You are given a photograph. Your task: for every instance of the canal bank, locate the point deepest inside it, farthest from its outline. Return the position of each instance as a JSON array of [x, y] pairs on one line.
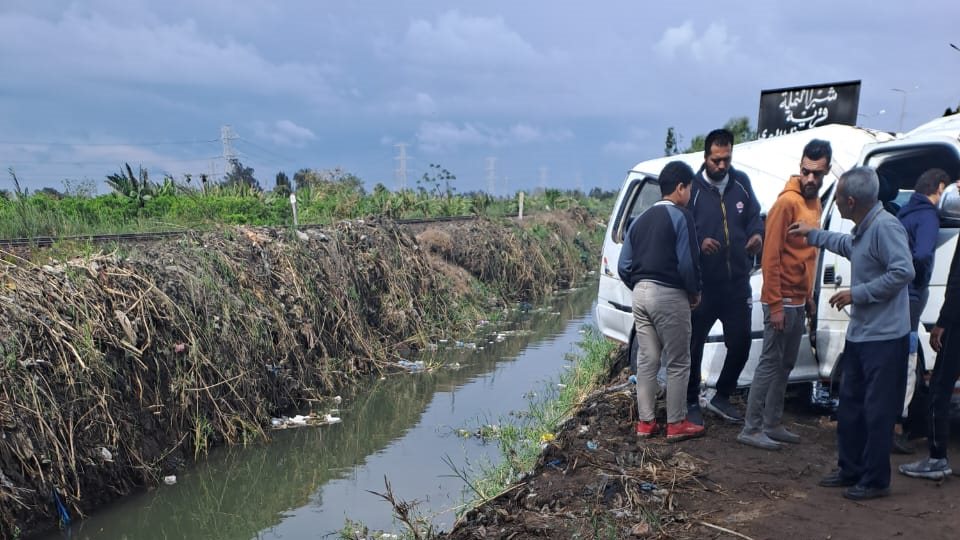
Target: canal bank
[[307, 482], [124, 365]]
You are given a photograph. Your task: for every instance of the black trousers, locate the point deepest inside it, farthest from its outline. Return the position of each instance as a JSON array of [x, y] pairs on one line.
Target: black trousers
[[874, 379], [944, 377], [732, 305]]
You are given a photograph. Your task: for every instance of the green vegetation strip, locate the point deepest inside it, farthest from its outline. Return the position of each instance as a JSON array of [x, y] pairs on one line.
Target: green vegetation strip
[[522, 442]]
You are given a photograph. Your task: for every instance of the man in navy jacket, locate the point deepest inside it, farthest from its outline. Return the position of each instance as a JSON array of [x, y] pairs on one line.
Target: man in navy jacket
[[922, 222], [730, 232], [945, 340]]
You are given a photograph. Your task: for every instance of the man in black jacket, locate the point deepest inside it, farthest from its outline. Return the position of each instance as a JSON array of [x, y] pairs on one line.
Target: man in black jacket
[[730, 232], [945, 341]]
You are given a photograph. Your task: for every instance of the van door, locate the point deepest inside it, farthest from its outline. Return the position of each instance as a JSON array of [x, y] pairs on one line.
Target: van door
[[614, 300], [833, 277], [898, 164]]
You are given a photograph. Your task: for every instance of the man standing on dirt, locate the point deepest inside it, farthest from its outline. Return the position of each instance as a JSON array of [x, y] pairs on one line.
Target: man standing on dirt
[[730, 233], [659, 262], [878, 338], [945, 340], [922, 222], [789, 264]]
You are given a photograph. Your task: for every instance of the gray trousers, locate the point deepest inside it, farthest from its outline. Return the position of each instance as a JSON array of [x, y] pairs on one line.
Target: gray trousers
[[662, 319], [779, 355]]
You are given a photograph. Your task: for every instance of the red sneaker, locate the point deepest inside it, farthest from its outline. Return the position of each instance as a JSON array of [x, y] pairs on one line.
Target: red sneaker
[[645, 430], [683, 430]]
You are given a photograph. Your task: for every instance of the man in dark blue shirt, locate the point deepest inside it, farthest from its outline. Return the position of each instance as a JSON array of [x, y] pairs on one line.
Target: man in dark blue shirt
[[730, 233], [660, 263]]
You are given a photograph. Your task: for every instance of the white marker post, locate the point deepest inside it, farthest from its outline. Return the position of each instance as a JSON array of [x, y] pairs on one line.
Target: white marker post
[[520, 195], [293, 204]]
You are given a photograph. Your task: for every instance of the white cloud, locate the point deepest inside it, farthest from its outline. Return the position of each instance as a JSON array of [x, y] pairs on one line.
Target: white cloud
[[714, 44], [284, 133], [673, 39], [179, 54], [632, 146], [464, 40], [438, 136]]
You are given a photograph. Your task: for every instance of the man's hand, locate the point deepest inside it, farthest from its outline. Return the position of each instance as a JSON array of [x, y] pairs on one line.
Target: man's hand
[[936, 338], [777, 320], [811, 307], [754, 244], [799, 229], [842, 299], [709, 246], [694, 300]]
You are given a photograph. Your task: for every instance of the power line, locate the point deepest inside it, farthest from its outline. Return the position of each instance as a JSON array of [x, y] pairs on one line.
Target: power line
[[261, 148], [159, 143], [491, 176], [401, 170], [110, 162]]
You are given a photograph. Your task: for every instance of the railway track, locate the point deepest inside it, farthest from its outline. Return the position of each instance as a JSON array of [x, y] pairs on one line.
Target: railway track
[[45, 241]]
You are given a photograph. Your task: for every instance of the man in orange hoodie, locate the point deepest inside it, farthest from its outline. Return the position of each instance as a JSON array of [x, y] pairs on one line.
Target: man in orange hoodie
[[788, 265]]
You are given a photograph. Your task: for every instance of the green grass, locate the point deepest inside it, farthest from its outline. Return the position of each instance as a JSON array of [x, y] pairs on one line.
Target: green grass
[[520, 442], [44, 214]]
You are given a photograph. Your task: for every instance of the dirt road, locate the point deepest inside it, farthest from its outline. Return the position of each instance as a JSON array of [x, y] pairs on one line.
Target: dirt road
[[707, 488]]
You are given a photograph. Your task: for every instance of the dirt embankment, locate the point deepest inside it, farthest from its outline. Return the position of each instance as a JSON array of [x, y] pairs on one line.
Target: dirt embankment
[[597, 481], [118, 366]]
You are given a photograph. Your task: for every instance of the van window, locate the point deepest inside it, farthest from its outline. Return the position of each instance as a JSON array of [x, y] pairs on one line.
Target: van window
[[899, 169], [641, 194]]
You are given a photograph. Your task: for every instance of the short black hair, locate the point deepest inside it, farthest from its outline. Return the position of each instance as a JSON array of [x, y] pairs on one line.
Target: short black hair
[[929, 182], [717, 137], [818, 149], [674, 174]]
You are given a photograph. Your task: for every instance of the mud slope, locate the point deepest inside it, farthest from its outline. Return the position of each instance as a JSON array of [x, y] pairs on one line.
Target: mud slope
[[705, 488]]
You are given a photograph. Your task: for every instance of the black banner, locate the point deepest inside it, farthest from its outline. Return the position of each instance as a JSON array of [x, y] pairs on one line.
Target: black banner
[[786, 110]]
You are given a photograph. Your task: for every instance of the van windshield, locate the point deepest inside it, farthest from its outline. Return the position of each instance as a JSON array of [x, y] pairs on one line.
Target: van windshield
[[899, 169]]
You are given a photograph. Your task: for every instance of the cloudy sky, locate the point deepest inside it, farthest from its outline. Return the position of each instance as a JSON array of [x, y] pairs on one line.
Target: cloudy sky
[[568, 94]]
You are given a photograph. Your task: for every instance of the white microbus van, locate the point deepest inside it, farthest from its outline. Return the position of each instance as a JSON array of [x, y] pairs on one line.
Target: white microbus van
[[898, 163], [769, 163]]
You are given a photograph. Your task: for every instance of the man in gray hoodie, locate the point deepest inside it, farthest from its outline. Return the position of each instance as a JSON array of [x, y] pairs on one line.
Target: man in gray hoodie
[[874, 365]]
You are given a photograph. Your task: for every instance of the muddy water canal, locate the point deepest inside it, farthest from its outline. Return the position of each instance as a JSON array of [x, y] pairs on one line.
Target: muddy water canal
[[306, 482]]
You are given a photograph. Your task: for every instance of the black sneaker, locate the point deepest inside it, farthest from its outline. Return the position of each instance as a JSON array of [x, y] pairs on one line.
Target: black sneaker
[[902, 445], [694, 415], [722, 407], [863, 493]]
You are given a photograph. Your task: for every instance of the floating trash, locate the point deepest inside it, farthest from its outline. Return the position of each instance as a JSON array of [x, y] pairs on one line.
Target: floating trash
[[419, 365], [547, 437], [170, 480], [106, 455], [301, 420], [592, 445]]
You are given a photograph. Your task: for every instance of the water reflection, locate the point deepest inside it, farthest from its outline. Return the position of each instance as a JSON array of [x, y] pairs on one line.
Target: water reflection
[[305, 482]]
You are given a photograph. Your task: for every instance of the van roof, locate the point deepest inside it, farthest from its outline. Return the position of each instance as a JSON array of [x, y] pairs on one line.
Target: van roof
[[948, 126], [943, 130], [769, 162]]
